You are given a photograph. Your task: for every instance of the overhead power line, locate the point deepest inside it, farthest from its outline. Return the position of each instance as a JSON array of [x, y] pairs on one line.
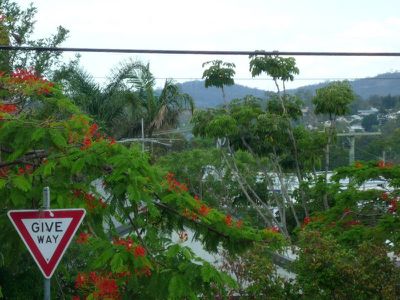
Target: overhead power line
[[270, 79], [195, 52]]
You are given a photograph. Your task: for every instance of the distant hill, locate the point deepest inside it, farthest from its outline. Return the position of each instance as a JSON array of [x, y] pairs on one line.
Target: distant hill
[[212, 97], [381, 85]]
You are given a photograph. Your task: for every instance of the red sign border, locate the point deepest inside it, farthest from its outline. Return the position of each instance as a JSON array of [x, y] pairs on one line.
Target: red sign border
[[47, 268]]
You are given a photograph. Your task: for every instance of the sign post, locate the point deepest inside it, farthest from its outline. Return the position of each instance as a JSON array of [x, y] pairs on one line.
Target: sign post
[[47, 234], [46, 205]]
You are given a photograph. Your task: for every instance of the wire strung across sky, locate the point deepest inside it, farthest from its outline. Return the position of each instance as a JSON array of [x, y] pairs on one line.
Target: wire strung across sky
[[196, 52], [270, 79]]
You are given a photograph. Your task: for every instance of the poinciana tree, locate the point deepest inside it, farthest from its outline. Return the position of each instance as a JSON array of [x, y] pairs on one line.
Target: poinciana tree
[[51, 143]]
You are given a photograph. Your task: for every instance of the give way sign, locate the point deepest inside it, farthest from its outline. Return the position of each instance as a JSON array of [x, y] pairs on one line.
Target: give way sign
[[47, 233]]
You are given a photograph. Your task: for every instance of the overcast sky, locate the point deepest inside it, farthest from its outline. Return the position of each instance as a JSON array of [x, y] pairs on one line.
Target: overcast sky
[[284, 25]]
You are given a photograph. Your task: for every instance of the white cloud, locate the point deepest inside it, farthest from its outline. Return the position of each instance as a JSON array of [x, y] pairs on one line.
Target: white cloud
[[287, 25]]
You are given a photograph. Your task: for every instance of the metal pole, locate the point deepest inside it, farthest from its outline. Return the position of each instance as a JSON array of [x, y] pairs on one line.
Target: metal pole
[[142, 135], [352, 149], [46, 205]]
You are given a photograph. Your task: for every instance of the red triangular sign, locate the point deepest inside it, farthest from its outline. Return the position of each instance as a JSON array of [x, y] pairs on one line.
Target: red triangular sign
[[47, 233]]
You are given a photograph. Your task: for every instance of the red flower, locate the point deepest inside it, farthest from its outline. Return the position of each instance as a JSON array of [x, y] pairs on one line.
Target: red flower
[[93, 129], [93, 277], [102, 203], [196, 198], [228, 220], [306, 220], [83, 238], [139, 251], [194, 216], [112, 141], [21, 171], [8, 108], [127, 243], [80, 280], [174, 185], [393, 206], [76, 298], [274, 229], [358, 165], [77, 193], [145, 271], [28, 169], [385, 196], [4, 171], [382, 164], [353, 223], [107, 288], [239, 224], [347, 211], [204, 210], [87, 142], [186, 213]]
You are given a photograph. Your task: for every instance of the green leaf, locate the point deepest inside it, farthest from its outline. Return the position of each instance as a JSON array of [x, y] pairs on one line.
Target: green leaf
[[117, 263], [3, 183], [38, 134], [176, 287], [173, 250], [60, 201], [57, 138], [77, 165], [207, 272], [187, 253], [17, 198], [21, 183], [90, 297], [103, 258], [133, 193], [49, 167]]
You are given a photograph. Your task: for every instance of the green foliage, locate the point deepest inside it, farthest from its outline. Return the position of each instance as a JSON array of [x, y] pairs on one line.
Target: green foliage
[[334, 99], [16, 30], [291, 104], [326, 270], [120, 190], [219, 74], [370, 122], [257, 275], [128, 97], [279, 68]]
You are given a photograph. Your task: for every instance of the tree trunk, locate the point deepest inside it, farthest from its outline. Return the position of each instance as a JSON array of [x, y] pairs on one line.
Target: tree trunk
[[299, 174]]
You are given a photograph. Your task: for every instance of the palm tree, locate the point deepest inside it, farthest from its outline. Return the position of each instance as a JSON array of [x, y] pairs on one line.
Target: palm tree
[[107, 105], [159, 110], [128, 97]]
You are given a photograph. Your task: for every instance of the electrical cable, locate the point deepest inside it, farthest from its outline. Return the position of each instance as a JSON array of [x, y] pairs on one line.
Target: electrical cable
[[196, 52]]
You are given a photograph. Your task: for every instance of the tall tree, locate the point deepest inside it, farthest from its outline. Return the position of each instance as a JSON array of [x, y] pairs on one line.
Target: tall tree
[[219, 74], [16, 29], [333, 101], [126, 98], [159, 111], [282, 70]]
